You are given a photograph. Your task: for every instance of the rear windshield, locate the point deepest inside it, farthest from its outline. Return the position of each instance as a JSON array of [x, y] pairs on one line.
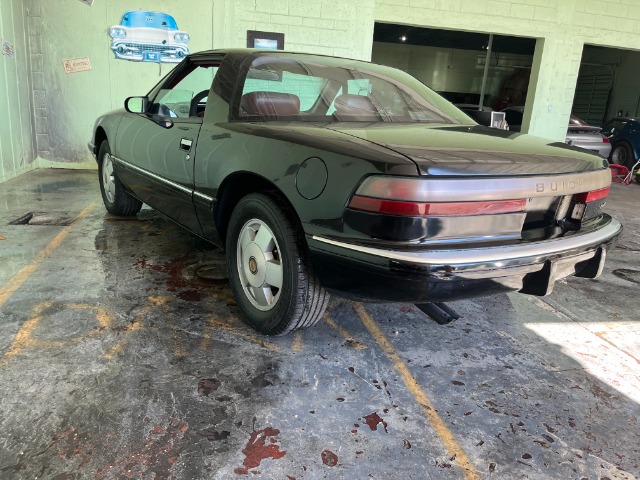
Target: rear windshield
[[149, 19], [577, 122], [304, 88]]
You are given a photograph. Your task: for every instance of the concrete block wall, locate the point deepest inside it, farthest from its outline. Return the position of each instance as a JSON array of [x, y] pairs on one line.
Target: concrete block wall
[[563, 27], [17, 147], [35, 30], [327, 27], [67, 105]]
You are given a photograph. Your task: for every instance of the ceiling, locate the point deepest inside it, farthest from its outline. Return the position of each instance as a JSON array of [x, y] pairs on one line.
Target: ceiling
[[391, 33]]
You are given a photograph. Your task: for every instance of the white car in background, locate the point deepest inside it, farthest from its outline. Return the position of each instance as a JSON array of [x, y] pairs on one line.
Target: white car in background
[[149, 37], [579, 133]]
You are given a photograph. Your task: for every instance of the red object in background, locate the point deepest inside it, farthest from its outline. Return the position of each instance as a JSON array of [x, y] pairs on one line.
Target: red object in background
[[618, 173]]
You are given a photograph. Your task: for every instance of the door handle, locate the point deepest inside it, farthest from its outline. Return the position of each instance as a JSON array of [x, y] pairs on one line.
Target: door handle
[[185, 144]]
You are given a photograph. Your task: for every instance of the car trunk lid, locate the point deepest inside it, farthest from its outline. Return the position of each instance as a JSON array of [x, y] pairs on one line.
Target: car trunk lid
[[583, 134], [477, 164], [474, 150]]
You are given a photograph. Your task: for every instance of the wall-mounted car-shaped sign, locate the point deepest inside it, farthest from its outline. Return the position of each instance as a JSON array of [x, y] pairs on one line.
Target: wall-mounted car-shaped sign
[[149, 37]]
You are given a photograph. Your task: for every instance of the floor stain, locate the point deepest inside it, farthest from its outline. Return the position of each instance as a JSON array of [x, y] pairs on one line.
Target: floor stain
[[208, 385], [373, 420], [329, 458], [258, 450], [628, 274]]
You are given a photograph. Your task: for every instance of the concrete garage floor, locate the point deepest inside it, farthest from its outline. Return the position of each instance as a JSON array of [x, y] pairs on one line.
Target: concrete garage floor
[[121, 356]]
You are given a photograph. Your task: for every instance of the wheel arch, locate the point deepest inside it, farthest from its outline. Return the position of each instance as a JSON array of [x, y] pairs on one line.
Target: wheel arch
[[238, 185], [635, 148], [101, 136]]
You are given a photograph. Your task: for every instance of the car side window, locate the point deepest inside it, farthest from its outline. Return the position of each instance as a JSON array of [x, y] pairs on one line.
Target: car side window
[[188, 96]]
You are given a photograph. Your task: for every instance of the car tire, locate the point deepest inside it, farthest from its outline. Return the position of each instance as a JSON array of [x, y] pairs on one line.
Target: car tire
[[116, 199], [270, 273], [622, 154]]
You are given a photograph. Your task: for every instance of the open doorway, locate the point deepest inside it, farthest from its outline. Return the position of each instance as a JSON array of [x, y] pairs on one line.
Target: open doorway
[[476, 71], [608, 85]]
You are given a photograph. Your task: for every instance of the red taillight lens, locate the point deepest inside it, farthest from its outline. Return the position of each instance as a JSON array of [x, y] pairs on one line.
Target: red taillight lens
[[605, 140], [414, 209], [591, 196]]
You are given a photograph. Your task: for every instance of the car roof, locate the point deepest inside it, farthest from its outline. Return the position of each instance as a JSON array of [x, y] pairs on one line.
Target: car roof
[[624, 119], [260, 51]]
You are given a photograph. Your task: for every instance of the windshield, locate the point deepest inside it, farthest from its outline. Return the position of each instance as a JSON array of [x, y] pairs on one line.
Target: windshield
[[149, 19], [306, 88]]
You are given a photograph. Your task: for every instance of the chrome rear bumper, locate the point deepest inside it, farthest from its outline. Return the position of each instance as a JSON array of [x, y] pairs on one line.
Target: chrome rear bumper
[[531, 267], [497, 257]]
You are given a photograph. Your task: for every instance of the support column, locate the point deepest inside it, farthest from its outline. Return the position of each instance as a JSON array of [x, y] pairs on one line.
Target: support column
[[556, 63]]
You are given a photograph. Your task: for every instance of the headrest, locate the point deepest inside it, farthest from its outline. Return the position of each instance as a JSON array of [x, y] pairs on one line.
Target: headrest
[[270, 103], [354, 105]]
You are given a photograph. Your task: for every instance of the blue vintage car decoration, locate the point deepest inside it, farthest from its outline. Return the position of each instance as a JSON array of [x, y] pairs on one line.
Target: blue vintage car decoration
[[149, 37]]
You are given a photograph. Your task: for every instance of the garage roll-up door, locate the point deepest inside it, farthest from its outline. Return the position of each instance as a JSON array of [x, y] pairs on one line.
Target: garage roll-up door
[[592, 93]]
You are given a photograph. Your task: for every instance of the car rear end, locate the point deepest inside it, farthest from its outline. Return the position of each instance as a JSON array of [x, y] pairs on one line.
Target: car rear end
[[476, 210], [582, 135], [438, 238]]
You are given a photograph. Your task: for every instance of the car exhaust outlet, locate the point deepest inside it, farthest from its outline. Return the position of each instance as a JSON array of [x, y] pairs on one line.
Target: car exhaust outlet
[[439, 312]]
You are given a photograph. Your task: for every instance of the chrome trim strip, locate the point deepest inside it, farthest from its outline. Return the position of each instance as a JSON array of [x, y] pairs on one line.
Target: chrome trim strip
[[149, 174], [482, 189], [204, 197], [495, 255]]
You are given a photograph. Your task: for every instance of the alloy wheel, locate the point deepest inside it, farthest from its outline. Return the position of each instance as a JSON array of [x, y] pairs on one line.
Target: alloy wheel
[[619, 155], [259, 264], [108, 180]]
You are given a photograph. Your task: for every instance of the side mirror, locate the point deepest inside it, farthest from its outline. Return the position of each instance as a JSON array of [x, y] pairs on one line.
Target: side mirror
[[136, 104]]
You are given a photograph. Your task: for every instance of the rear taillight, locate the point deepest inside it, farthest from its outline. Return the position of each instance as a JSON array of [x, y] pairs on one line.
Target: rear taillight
[[591, 196], [587, 205], [605, 140], [410, 197], [419, 209]]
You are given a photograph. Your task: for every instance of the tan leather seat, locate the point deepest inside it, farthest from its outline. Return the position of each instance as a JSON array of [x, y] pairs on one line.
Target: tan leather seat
[[354, 105], [270, 104]]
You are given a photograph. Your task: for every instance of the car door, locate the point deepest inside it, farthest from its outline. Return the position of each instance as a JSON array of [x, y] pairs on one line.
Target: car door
[[156, 150]]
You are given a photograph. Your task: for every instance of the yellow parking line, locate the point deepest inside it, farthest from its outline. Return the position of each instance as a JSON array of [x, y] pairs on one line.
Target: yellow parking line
[[23, 275], [136, 324], [454, 450], [358, 345], [25, 337], [297, 345], [214, 321]]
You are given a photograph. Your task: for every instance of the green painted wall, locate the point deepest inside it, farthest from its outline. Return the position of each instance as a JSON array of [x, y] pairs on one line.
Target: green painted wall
[[52, 113], [68, 104], [17, 149]]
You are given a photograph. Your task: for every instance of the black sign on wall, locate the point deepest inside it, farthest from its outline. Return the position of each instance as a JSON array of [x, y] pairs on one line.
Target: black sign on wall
[[266, 40]]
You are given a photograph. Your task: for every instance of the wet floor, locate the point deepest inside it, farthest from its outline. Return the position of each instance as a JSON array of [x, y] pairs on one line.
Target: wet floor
[[122, 357]]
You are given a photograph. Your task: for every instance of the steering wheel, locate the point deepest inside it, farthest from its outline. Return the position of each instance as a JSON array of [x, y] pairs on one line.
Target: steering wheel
[[193, 108]]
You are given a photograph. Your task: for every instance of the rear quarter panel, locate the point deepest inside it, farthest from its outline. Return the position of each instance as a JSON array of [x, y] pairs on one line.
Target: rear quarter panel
[[227, 149]]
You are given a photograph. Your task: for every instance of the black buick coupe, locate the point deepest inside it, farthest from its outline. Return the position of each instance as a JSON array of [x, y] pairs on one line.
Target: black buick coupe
[[318, 173]]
